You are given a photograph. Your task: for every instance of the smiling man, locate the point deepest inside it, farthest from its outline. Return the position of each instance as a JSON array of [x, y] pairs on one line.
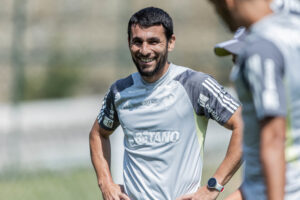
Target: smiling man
[[163, 110]]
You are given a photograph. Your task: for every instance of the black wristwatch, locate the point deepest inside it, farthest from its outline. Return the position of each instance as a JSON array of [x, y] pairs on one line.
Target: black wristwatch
[[212, 183]]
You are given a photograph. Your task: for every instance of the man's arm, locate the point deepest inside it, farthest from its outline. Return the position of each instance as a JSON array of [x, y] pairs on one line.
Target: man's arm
[[233, 157], [231, 162], [100, 155], [236, 195], [272, 156]]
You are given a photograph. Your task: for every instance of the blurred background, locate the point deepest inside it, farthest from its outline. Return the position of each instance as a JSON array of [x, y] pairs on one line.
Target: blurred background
[[57, 59]]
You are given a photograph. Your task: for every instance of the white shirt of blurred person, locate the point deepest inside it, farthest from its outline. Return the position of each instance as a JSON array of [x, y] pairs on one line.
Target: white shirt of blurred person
[[163, 110], [288, 6], [268, 87]]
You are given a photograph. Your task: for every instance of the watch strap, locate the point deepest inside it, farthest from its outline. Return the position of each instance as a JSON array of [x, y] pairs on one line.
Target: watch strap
[[219, 187]]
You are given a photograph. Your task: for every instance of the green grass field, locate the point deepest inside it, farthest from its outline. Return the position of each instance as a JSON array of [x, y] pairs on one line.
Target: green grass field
[[77, 184]]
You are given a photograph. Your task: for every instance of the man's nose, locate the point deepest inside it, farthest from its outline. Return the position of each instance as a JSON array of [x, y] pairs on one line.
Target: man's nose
[[145, 49]]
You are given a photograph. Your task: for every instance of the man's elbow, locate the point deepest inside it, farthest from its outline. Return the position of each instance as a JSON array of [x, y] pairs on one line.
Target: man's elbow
[[97, 132], [273, 131], [93, 137], [236, 121]]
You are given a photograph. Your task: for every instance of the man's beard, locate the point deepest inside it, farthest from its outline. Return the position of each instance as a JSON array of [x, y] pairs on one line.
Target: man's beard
[[159, 66]]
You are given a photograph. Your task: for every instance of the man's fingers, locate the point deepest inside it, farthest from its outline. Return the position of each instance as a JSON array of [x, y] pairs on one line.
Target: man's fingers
[[122, 188], [118, 195], [124, 197], [185, 197]]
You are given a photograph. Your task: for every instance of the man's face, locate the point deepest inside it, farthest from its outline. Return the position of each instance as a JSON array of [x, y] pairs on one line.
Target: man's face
[[149, 49], [229, 16]]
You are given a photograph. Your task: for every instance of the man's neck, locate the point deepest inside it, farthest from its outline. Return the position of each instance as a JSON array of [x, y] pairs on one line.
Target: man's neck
[[257, 11], [158, 75]]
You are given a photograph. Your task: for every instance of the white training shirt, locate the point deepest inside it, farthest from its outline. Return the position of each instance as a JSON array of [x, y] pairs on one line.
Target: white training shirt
[[164, 125]]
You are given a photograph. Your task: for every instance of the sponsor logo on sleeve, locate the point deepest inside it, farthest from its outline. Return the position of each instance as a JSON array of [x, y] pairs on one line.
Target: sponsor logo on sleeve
[[202, 100], [203, 103], [108, 122]]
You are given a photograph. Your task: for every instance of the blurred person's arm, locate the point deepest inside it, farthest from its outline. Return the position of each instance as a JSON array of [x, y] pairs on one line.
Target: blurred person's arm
[[237, 195], [101, 154], [231, 162], [272, 148]]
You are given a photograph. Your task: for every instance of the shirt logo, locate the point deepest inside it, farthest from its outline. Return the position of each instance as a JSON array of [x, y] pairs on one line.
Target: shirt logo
[[108, 122], [153, 137], [203, 103], [149, 103], [202, 100]]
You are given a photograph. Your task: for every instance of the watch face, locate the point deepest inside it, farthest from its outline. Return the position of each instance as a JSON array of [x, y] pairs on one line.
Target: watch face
[[212, 182]]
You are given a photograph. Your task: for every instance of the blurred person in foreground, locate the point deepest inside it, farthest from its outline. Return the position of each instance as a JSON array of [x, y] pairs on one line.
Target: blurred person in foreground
[[266, 81], [235, 46], [163, 110]]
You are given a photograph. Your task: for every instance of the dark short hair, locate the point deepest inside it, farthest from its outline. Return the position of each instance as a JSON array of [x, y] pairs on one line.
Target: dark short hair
[[152, 16]]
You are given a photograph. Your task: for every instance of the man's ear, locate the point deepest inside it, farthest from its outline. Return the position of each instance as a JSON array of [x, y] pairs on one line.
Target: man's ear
[[128, 39], [171, 43]]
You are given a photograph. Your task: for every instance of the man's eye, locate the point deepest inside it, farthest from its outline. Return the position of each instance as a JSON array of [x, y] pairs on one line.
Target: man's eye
[[136, 42], [153, 42]]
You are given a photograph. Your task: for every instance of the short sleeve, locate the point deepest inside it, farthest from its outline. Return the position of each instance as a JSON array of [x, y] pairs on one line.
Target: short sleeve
[[207, 96], [264, 72], [108, 118], [216, 103]]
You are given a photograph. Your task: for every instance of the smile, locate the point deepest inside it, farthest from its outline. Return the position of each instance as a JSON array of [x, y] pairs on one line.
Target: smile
[[146, 60]]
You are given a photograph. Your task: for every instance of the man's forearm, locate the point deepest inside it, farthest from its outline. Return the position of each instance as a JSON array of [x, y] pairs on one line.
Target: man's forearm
[[232, 160], [100, 155], [272, 150]]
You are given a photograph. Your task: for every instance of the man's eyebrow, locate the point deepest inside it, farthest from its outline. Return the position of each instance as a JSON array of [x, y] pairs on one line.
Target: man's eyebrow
[[151, 39], [136, 39], [155, 39]]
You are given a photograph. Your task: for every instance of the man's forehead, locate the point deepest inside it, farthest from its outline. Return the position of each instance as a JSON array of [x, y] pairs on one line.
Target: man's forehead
[[150, 31]]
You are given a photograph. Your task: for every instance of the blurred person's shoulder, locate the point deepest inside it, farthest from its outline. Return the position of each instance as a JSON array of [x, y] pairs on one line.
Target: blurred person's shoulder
[[259, 45], [260, 50]]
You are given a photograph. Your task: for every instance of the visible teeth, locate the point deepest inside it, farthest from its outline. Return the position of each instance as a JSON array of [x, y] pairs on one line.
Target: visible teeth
[[146, 59]]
